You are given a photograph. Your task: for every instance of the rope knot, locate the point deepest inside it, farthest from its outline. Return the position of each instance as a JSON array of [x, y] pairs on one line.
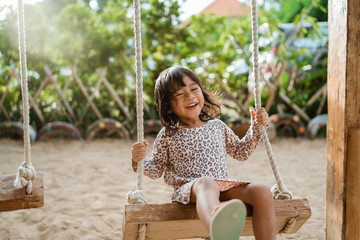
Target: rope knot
[[26, 173], [135, 197], [281, 195], [289, 225]]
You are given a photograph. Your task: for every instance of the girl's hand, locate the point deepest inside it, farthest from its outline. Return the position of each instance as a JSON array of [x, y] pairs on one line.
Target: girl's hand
[[138, 152], [260, 117]]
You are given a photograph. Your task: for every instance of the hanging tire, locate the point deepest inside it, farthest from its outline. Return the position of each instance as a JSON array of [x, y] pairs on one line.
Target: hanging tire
[[16, 130], [315, 124], [271, 131], [59, 130], [240, 126], [152, 126], [109, 125], [288, 125]]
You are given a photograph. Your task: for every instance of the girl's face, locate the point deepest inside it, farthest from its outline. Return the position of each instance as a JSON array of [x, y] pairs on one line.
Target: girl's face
[[188, 102]]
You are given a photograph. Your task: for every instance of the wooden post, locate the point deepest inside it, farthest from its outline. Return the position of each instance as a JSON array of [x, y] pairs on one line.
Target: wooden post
[[343, 129]]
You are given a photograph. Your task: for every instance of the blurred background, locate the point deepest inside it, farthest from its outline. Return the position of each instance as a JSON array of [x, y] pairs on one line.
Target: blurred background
[[81, 69]]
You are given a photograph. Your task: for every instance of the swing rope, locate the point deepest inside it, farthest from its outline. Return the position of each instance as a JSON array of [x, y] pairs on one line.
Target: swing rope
[[139, 86], [279, 190], [136, 197], [26, 172]]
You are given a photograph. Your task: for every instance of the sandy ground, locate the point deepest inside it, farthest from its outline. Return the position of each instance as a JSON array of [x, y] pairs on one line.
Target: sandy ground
[[86, 185]]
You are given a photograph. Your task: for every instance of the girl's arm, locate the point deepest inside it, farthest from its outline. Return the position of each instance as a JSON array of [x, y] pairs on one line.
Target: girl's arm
[[241, 149], [155, 165]]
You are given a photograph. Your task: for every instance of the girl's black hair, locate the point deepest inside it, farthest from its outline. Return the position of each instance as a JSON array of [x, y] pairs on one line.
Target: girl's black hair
[[168, 82]]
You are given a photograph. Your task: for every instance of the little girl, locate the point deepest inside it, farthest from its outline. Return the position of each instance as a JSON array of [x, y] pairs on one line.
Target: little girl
[[191, 153]]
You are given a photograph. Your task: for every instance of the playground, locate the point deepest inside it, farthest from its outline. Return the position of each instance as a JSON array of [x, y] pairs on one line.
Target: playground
[[83, 184], [87, 182]]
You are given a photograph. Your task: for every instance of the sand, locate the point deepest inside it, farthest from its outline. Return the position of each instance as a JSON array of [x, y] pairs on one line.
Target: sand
[[86, 185]]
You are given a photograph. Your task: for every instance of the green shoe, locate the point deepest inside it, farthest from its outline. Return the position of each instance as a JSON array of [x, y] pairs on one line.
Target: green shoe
[[228, 221]]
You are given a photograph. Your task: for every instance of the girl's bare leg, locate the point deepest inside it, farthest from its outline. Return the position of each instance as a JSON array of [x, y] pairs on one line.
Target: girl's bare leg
[[205, 193], [259, 196]]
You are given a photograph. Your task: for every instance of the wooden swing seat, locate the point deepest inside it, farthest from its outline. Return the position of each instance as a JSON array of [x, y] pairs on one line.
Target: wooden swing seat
[[12, 198], [179, 221]]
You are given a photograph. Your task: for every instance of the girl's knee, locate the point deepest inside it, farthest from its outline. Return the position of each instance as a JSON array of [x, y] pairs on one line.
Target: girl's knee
[[204, 186], [205, 183], [261, 192]]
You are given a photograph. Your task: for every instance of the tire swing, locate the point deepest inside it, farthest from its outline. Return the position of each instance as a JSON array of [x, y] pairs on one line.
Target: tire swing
[[109, 125], [288, 125], [152, 127], [241, 125], [59, 129], [24, 190], [16, 129], [316, 124], [179, 221]]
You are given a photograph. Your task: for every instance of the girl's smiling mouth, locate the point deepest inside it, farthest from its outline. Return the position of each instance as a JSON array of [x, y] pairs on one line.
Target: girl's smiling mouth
[[191, 106]]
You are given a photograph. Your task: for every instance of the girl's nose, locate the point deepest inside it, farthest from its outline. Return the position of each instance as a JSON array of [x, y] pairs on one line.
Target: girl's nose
[[189, 95]]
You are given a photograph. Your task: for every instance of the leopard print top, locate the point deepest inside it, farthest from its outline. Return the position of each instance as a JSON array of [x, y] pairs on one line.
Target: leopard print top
[[190, 153]]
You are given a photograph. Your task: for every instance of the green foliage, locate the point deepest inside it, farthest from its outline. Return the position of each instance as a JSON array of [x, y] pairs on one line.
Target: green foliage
[[84, 37], [290, 9], [64, 35]]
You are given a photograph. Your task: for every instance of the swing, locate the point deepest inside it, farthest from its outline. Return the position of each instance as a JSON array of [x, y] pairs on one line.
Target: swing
[[179, 221], [24, 190]]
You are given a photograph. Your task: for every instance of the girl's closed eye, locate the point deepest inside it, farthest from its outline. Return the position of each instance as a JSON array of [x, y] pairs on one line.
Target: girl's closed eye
[[194, 89]]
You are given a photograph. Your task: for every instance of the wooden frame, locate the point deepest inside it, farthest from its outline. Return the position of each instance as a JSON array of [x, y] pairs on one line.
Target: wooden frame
[[61, 94], [32, 100], [88, 98], [179, 221], [32, 104], [343, 128], [12, 198], [112, 91]]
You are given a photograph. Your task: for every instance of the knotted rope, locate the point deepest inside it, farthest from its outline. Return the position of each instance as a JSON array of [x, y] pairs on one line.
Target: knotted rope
[[139, 85], [26, 172], [279, 190], [136, 197], [282, 190]]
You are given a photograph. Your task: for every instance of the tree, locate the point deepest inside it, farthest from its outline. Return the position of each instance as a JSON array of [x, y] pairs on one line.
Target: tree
[[289, 9], [65, 33]]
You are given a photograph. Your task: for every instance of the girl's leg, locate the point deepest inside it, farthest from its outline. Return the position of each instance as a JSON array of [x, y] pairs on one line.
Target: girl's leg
[[205, 193], [260, 198]]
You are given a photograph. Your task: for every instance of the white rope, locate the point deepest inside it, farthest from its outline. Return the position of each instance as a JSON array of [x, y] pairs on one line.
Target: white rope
[[136, 197], [26, 172], [139, 85], [289, 225], [283, 192], [279, 190]]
